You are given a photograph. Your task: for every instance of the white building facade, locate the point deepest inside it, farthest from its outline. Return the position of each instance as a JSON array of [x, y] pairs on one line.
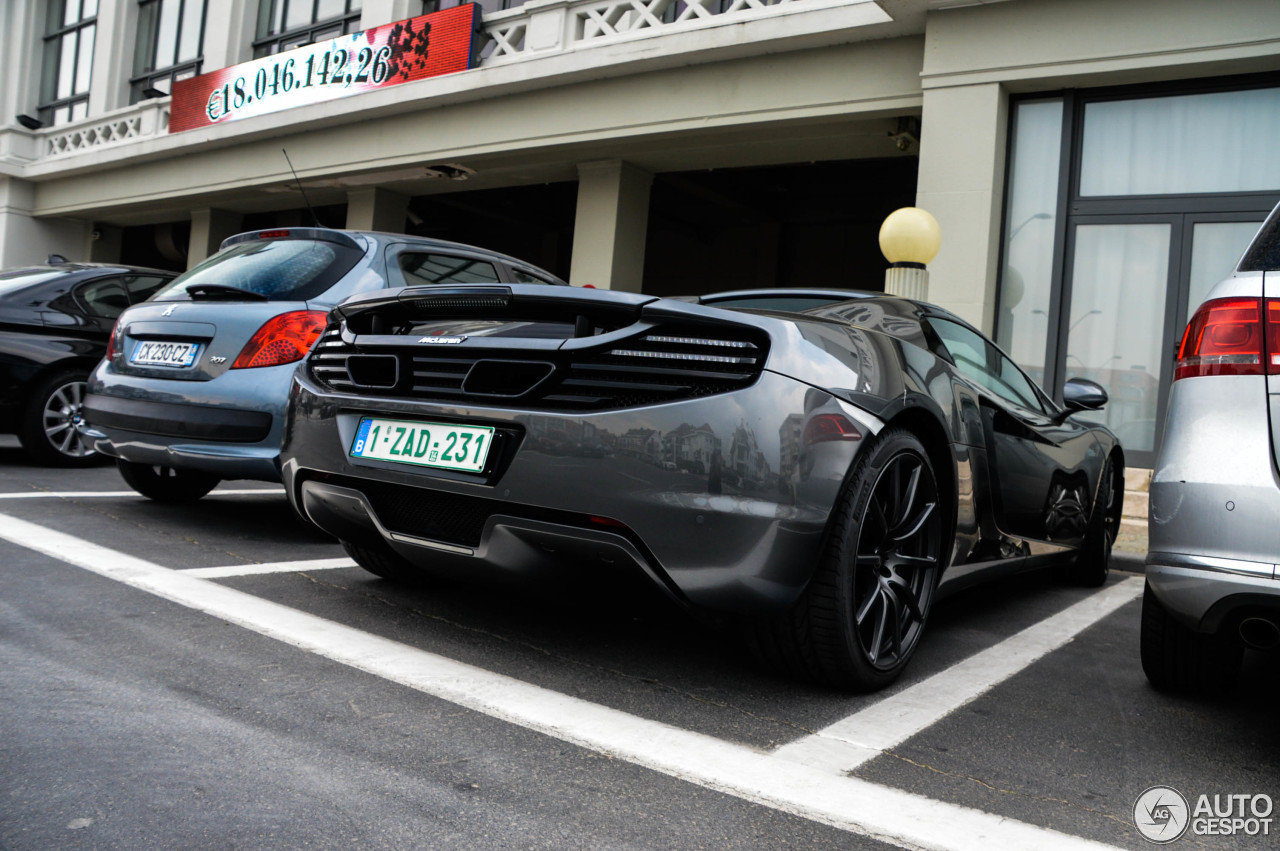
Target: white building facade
[[1093, 165]]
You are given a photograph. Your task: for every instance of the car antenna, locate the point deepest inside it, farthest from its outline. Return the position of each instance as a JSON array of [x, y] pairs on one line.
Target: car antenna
[[310, 209]]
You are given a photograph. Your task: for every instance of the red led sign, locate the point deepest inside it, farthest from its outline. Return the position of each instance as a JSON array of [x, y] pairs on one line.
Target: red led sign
[[426, 46]]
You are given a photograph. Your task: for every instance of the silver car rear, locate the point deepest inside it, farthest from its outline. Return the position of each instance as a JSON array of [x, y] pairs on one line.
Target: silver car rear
[[1213, 586]]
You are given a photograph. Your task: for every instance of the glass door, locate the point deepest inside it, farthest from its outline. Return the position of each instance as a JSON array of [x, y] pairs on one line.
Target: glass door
[[1132, 284], [1115, 321]]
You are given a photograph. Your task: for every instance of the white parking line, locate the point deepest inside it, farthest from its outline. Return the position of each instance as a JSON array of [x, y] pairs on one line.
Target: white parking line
[[95, 494], [850, 742], [268, 567], [858, 806]]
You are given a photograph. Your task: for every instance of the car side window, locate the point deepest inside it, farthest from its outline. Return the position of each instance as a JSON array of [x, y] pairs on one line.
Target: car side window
[[522, 277], [1017, 382], [425, 268], [142, 287], [978, 360], [106, 298]]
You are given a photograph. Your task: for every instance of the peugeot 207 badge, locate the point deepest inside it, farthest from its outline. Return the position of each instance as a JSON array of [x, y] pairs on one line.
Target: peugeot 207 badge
[[442, 341]]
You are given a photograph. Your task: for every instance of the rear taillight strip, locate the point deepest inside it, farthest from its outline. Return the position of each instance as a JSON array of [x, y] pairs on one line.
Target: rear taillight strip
[[1227, 336]]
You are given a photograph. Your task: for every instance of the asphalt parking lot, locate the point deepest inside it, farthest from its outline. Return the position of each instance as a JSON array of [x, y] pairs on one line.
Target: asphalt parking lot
[[218, 676]]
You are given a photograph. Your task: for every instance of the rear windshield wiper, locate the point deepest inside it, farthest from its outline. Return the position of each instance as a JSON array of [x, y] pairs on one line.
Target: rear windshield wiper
[[223, 291]]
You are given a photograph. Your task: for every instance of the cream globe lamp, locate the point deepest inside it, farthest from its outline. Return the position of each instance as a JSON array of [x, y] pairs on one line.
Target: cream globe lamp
[[909, 238]]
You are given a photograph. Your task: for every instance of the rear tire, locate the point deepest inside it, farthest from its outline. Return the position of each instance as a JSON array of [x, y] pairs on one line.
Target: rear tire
[[172, 485], [382, 561], [1093, 561], [51, 429], [1175, 657], [858, 623]]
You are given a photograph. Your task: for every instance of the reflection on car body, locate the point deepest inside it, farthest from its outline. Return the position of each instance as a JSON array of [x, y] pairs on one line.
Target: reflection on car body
[[819, 478]]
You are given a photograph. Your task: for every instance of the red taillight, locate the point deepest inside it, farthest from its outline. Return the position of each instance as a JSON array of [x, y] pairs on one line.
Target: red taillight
[[283, 339], [273, 234], [826, 427], [1225, 337], [113, 344]]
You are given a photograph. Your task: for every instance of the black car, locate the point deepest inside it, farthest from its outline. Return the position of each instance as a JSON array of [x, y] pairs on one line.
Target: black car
[[822, 472], [55, 321]]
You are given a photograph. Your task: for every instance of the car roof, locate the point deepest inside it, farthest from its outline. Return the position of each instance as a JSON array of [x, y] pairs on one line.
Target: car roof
[[384, 238], [86, 267]]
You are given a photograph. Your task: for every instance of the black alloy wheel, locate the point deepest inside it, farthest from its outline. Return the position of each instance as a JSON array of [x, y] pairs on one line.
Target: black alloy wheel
[[897, 556], [858, 623], [1092, 562], [53, 426]]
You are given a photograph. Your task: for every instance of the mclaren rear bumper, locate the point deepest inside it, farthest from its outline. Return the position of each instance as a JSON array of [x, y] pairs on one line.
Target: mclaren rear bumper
[[719, 500]]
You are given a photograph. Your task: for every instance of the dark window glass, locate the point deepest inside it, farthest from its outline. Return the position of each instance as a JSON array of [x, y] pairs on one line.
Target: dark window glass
[[286, 24], [169, 46], [445, 269], [142, 287], [523, 277], [281, 270], [976, 359], [70, 30], [105, 297]]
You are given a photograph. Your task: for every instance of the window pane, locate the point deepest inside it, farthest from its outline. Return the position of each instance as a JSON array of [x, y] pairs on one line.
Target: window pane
[[1215, 249], [443, 269], [330, 9], [1119, 281], [1022, 322], [167, 37], [967, 349], [297, 14], [144, 46], [67, 65], [90, 9], [189, 46], [85, 67], [70, 12], [106, 298], [1216, 142]]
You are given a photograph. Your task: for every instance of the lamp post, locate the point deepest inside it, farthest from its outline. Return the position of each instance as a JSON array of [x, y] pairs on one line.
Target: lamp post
[[909, 238]]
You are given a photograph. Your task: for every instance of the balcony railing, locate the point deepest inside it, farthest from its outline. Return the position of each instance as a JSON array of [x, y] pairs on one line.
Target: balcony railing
[[564, 25], [146, 119]]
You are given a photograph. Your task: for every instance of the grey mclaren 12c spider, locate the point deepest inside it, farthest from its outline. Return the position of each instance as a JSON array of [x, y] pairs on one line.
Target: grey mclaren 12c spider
[[819, 464]]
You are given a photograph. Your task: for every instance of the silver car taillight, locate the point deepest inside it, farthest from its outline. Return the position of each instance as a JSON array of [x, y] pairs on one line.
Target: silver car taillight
[[1228, 336]]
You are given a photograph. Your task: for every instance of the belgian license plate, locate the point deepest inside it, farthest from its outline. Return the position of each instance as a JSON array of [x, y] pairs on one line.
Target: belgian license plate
[[447, 446], [161, 353]]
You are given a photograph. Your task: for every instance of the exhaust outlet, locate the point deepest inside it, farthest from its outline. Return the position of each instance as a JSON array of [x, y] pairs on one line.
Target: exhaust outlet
[[1260, 633]]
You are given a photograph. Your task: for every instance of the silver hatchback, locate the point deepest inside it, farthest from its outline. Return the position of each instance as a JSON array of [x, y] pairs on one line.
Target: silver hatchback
[[194, 384], [1213, 583]]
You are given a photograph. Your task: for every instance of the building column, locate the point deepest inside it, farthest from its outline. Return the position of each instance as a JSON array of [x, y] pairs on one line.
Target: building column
[[208, 229], [961, 182], [378, 209], [113, 45], [610, 226], [26, 240]]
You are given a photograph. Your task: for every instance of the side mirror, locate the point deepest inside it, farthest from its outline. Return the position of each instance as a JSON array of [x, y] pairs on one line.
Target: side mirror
[[1081, 394]]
